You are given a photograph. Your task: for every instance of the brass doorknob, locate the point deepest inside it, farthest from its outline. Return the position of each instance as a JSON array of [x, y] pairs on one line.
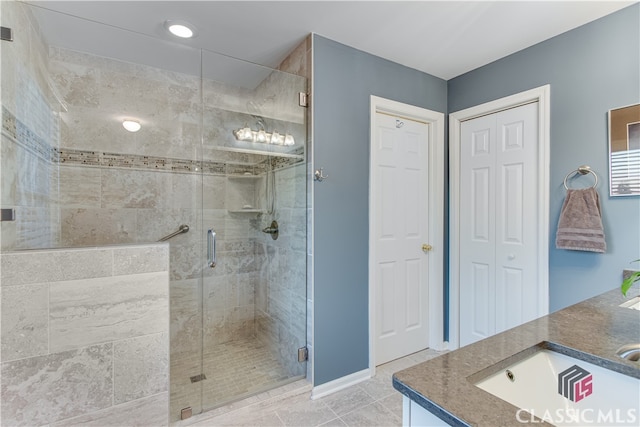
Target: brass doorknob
[[426, 248]]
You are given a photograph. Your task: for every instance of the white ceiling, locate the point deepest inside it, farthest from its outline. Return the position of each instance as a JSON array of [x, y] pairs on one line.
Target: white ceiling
[[442, 38]]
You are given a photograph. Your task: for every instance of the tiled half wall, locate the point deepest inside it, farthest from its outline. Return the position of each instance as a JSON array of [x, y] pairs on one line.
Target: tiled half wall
[[85, 336]]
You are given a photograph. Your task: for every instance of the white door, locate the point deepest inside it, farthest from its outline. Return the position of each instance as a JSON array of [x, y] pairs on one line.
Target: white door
[[400, 183], [498, 222]]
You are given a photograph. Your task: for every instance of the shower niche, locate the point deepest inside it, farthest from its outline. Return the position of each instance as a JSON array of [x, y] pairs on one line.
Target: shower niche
[[243, 193]]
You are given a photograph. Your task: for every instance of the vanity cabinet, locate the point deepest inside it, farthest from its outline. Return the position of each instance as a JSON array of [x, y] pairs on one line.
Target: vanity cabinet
[[414, 415], [445, 389]]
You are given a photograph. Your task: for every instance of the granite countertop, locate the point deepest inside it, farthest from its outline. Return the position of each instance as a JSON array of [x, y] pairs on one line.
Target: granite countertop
[[592, 330]]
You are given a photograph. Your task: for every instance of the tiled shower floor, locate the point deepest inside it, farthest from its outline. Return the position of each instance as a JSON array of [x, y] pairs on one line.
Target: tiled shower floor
[[234, 370], [238, 369]]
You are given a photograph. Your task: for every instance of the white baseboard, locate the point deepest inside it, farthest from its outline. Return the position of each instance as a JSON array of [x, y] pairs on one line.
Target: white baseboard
[[340, 384]]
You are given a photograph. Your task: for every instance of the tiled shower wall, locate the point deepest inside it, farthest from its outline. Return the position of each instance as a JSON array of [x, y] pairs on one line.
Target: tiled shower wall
[[85, 336], [111, 195], [75, 179], [281, 291], [139, 197]]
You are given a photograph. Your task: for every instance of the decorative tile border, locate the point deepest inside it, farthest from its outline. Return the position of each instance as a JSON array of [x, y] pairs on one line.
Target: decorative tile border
[[25, 137], [282, 162], [9, 123], [22, 135], [134, 161]]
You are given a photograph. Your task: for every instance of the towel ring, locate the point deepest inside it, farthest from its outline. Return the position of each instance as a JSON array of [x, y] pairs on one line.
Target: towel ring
[[582, 170]]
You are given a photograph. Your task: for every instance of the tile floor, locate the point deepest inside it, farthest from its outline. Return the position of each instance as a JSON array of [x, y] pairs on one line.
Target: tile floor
[[372, 403]]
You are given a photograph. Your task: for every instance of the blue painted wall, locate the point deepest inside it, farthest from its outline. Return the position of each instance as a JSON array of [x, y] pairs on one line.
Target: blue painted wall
[[591, 70], [344, 80]]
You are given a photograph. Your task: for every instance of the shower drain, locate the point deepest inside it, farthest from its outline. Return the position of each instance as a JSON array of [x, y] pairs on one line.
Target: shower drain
[[510, 375]]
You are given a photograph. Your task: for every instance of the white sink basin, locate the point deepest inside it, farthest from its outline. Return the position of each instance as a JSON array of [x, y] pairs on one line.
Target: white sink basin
[[538, 384], [633, 303]]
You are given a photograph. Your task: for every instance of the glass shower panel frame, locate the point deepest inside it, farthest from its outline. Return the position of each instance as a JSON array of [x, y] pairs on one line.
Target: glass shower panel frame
[[254, 307], [30, 129]]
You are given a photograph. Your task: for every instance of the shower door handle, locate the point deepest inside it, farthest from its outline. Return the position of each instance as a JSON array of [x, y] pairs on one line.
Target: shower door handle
[[211, 248]]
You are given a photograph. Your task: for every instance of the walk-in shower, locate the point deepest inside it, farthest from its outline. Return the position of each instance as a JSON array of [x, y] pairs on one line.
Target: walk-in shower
[[76, 181]]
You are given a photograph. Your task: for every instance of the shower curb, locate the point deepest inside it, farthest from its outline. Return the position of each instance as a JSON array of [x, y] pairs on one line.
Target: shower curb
[[254, 403]]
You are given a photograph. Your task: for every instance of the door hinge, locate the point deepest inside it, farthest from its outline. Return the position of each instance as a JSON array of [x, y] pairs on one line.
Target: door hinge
[[7, 214], [6, 34], [186, 413], [303, 354], [196, 378], [303, 99]]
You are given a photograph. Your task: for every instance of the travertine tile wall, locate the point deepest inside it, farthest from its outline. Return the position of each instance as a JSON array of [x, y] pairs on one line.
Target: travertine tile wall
[[84, 336], [121, 188], [281, 291]]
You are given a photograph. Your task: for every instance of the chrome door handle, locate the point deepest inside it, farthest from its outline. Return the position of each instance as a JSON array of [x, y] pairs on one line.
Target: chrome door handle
[[211, 248]]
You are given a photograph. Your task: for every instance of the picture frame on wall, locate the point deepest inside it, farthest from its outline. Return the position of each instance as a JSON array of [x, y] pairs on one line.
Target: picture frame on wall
[[624, 151]]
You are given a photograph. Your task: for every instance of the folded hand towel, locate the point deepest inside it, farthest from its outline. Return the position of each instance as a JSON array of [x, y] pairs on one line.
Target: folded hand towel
[[580, 226]]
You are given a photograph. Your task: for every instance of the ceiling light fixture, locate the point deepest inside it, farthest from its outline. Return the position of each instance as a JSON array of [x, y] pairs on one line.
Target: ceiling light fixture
[[180, 29], [131, 125]]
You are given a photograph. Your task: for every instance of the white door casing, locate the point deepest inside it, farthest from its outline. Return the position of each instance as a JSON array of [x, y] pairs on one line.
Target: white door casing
[[405, 212], [495, 238]]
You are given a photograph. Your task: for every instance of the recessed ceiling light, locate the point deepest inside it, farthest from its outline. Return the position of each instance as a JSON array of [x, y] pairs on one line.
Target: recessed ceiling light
[[180, 29], [131, 125]]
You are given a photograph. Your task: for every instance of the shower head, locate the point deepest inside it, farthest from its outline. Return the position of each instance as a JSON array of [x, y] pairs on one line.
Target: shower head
[[260, 122]]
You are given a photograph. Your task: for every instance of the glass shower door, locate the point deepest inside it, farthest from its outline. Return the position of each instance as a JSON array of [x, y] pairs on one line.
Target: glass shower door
[[254, 200]]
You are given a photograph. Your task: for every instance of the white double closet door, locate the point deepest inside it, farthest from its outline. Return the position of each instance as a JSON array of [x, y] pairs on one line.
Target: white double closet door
[[498, 222]]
